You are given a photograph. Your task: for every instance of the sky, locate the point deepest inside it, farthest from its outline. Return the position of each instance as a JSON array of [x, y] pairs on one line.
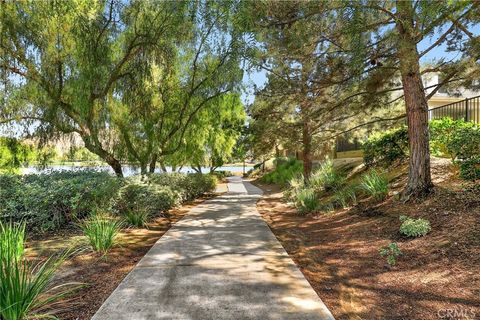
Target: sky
[[259, 78]]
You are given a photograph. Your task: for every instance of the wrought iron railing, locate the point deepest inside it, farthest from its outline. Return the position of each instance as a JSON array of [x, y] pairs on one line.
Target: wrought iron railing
[[467, 109]]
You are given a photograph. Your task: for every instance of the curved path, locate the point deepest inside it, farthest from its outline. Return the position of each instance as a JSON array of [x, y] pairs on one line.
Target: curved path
[[221, 261]]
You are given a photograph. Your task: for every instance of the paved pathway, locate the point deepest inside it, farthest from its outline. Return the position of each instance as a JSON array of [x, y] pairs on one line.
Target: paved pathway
[[221, 261]]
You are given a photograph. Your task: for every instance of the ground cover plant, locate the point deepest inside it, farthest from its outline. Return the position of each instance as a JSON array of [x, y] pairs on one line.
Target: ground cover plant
[[391, 253], [411, 227]]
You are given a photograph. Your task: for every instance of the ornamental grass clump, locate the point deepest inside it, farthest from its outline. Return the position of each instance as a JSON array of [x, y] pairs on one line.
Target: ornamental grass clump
[[136, 218], [12, 241], [306, 201], [26, 290], [346, 197], [326, 177], [101, 232], [375, 185]]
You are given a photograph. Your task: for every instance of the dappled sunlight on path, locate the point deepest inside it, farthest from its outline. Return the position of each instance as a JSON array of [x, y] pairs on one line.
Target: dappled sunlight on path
[[221, 261]]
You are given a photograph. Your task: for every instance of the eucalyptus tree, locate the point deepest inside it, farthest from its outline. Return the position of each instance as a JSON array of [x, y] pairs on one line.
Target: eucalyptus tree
[[66, 57]]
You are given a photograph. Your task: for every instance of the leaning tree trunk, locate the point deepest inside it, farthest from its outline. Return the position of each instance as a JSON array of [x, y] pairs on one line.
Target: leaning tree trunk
[[115, 164], [153, 163], [93, 145], [419, 177], [143, 168], [307, 150], [162, 166]]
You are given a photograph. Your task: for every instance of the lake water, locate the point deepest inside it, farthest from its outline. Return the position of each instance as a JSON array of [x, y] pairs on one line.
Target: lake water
[[128, 170]]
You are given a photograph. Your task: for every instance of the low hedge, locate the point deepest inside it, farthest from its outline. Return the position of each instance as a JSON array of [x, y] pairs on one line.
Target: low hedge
[[148, 197], [50, 200], [55, 199], [191, 186]]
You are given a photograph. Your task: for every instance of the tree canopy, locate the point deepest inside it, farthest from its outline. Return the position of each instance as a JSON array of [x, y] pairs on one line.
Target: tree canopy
[[159, 82]]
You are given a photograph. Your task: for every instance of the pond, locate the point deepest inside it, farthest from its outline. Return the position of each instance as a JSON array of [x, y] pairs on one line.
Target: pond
[[128, 170]]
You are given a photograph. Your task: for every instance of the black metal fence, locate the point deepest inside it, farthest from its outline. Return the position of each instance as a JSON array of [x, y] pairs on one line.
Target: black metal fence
[[467, 109]]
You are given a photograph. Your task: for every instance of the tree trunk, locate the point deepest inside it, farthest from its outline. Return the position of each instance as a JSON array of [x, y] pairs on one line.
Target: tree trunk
[[115, 164], [93, 145], [162, 166], [419, 182], [143, 168], [307, 151], [153, 163]]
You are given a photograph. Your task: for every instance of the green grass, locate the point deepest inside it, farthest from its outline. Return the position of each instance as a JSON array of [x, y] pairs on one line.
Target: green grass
[[101, 232]]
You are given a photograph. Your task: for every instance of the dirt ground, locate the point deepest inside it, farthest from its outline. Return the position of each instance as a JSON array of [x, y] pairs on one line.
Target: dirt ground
[[100, 274], [436, 277]]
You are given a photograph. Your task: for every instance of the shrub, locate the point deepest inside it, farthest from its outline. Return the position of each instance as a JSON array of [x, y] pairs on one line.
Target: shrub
[[414, 227], [470, 169], [306, 201], [285, 170], [190, 186], [391, 252], [442, 132], [25, 289], [198, 184], [151, 198], [465, 146], [101, 232], [222, 174], [375, 185], [326, 178], [138, 219], [386, 148], [465, 143], [51, 200], [460, 141]]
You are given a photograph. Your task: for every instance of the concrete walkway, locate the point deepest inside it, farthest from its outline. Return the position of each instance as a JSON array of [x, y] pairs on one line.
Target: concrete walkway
[[221, 261]]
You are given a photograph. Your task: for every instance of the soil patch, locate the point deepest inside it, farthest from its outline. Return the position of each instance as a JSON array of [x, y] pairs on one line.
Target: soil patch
[[437, 277]]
